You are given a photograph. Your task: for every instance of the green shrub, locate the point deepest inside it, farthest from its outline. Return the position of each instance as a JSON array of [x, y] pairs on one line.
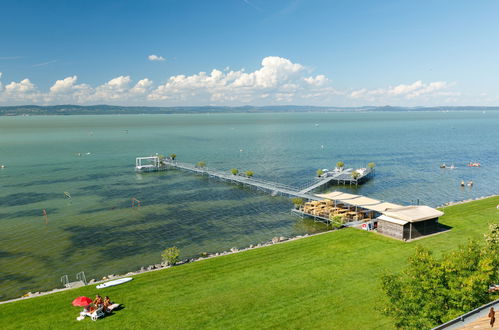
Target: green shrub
[[173, 156], [337, 221], [297, 201], [234, 171], [319, 172], [201, 164], [171, 255], [340, 164], [355, 175], [371, 165], [249, 173]]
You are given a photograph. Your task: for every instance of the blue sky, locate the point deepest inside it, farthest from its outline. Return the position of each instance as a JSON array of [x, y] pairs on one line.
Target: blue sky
[[338, 53]]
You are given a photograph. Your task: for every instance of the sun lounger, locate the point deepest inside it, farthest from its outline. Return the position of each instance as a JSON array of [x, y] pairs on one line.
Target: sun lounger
[[111, 307], [93, 315]]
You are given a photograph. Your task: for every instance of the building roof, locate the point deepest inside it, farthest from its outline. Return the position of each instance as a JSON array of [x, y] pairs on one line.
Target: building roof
[[338, 196], [413, 213], [475, 319], [394, 211], [382, 207], [392, 220], [361, 201]]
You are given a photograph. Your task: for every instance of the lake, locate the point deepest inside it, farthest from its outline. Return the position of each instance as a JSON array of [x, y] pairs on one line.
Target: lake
[[92, 158]]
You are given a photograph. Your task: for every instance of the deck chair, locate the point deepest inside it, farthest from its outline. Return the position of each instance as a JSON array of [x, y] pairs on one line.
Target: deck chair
[[111, 307], [96, 314]]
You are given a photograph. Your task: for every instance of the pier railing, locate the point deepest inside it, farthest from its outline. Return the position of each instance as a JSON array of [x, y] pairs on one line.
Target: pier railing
[[272, 187]]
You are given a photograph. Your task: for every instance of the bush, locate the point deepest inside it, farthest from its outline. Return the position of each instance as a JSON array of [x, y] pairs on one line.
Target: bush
[[340, 164], [371, 165], [201, 164], [173, 156], [249, 173], [319, 172], [355, 175], [297, 201], [234, 171], [170, 256], [337, 221]]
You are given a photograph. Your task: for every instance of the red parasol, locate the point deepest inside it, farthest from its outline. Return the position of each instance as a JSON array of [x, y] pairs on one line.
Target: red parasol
[[82, 301]]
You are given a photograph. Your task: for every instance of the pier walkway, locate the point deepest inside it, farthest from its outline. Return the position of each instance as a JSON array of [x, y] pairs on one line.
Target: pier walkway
[[340, 177], [272, 187]]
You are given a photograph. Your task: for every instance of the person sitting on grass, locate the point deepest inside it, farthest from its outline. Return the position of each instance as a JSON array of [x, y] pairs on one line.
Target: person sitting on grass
[[98, 301], [107, 303]]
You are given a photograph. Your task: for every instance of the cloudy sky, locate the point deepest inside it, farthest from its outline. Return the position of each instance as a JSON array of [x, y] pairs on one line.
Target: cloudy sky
[[257, 52]]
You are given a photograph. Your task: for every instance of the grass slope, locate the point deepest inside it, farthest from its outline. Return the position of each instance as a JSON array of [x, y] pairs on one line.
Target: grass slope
[[326, 281]]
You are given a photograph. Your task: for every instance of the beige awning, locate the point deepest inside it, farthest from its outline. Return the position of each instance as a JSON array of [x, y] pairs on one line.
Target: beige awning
[[338, 196], [363, 201], [382, 207], [413, 213]]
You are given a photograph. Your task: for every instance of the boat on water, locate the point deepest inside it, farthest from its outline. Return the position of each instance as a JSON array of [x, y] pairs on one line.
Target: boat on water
[[474, 164]]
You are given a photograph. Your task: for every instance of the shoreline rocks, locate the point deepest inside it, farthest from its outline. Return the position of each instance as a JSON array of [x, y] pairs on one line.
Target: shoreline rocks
[[205, 255]]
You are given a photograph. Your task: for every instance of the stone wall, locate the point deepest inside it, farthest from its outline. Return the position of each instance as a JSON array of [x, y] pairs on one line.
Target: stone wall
[[391, 229]]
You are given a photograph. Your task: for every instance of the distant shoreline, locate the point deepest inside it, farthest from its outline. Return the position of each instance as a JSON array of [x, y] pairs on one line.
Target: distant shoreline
[[65, 110]]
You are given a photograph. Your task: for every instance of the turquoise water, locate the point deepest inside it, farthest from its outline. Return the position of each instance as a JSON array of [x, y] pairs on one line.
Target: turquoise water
[[92, 158]]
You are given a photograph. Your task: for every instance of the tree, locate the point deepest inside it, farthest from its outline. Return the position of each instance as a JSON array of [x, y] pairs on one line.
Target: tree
[[371, 165], [297, 201], [201, 164], [319, 172], [355, 175], [234, 171], [432, 291], [249, 173], [173, 156], [340, 164], [170, 256]]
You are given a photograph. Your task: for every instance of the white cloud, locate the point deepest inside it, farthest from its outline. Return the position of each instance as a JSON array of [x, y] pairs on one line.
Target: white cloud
[[63, 86], [153, 57], [22, 87], [142, 87], [24, 90], [319, 80], [277, 80], [417, 89]]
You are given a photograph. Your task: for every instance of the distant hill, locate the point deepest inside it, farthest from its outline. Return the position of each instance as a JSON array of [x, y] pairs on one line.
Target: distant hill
[[111, 109]]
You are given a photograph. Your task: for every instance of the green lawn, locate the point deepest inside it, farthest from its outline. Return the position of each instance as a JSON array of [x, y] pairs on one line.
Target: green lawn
[[326, 281]]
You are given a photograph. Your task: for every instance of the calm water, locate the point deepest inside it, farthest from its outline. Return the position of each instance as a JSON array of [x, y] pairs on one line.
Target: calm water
[[98, 232]]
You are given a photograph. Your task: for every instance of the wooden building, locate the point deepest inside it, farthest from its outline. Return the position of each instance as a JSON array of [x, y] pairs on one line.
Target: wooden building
[[409, 222]]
